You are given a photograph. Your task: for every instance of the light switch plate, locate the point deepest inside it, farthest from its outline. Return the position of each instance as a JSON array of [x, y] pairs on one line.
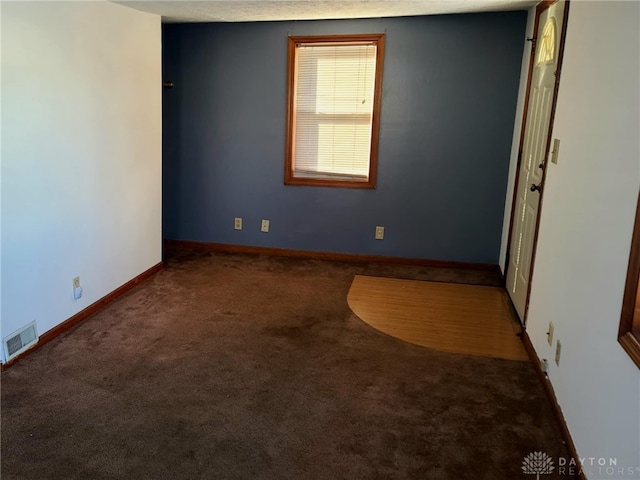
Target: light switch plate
[[555, 150]]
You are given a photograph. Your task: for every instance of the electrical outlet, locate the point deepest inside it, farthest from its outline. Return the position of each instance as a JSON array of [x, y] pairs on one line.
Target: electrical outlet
[[237, 223], [544, 365], [77, 289], [379, 233], [265, 226], [558, 351], [550, 334]]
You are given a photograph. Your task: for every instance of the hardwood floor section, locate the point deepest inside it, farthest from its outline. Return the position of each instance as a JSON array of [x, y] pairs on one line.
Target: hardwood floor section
[[467, 319]]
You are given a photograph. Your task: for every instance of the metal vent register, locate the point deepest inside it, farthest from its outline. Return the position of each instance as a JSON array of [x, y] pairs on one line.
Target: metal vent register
[[21, 340]]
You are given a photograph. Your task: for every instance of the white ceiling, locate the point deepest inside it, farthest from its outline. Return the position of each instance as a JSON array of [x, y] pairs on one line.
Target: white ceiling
[[173, 11]]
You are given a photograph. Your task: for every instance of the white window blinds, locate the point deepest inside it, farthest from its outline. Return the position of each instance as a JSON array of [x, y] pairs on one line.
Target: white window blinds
[[333, 110]]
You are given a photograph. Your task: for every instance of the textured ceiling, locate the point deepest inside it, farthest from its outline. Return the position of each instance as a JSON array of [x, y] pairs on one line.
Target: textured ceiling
[[268, 10]]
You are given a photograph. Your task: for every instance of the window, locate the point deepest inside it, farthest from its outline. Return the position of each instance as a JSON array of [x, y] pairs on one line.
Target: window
[[333, 112], [547, 49], [629, 332]]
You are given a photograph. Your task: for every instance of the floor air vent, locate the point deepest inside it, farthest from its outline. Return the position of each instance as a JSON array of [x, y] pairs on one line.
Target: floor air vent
[[20, 340]]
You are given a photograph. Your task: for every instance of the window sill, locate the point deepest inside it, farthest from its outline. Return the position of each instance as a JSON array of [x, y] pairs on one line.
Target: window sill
[[315, 182]]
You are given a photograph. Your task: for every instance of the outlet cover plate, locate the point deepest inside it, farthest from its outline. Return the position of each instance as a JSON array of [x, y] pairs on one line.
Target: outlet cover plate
[[550, 334], [558, 351], [237, 223], [265, 226], [379, 233]]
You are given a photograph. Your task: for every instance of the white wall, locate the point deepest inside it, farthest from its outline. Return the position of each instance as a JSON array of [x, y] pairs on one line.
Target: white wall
[[1, 336], [585, 232], [81, 155]]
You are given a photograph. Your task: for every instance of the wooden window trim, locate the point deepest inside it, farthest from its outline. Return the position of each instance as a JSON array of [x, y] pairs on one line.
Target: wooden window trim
[[629, 332], [375, 122]]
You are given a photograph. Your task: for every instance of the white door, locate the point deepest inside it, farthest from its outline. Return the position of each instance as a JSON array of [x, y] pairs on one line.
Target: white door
[[534, 152]]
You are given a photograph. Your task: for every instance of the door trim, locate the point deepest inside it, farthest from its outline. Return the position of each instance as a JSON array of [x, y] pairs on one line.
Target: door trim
[[542, 6]]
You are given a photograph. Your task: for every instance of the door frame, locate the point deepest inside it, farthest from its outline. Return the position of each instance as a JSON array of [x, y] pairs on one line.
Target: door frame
[[539, 9]]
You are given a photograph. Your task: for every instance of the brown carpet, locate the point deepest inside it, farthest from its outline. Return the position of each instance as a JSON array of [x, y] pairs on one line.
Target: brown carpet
[[244, 367]]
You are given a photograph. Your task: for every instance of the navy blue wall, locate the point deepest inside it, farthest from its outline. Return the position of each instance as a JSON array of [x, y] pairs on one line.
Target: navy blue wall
[[448, 106]]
